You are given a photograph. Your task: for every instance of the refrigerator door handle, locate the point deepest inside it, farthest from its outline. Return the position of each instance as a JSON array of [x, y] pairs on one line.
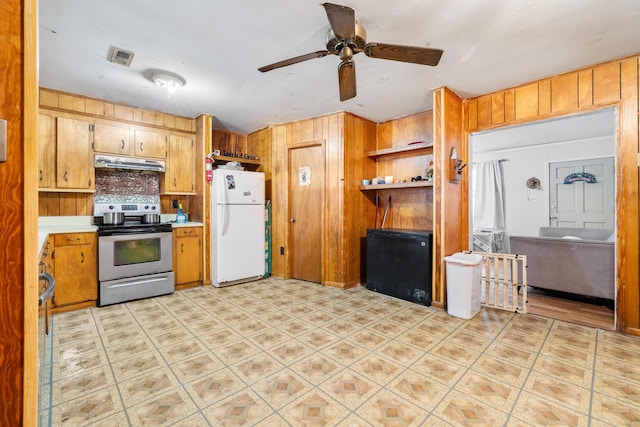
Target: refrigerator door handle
[[223, 221], [225, 192]]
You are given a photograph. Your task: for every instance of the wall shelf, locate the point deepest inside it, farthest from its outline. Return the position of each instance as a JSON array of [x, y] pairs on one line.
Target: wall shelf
[[397, 185], [398, 150], [223, 159]]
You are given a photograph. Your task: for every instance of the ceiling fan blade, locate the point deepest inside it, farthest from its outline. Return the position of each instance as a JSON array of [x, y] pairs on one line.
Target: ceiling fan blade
[[347, 80], [414, 55], [342, 20], [294, 60]]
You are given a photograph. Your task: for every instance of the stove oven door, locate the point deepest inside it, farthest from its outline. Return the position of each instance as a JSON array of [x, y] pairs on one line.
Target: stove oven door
[[134, 266], [132, 255]]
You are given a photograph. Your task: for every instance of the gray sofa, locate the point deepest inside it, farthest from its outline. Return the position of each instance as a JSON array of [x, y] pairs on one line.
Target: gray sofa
[[574, 260]]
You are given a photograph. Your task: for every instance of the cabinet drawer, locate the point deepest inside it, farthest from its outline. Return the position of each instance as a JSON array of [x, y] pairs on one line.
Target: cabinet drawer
[[187, 231], [74, 239]]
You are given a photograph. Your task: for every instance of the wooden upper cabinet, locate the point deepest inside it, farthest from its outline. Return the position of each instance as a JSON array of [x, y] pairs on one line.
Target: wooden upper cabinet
[[180, 174], [228, 142], [112, 139], [148, 143], [46, 151], [74, 159]]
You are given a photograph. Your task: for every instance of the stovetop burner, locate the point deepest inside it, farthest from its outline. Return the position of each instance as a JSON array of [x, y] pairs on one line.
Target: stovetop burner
[[133, 218]]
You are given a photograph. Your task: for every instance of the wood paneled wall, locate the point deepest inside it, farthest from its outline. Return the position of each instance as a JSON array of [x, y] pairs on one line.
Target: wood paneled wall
[[327, 129], [231, 142], [614, 83], [65, 204], [405, 130], [348, 212], [449, 196], [360, 136], [410, 208], [19, 225], [259, 144], [346, 215]]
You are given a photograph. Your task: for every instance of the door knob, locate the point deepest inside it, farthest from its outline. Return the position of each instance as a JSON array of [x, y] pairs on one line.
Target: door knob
[[292, 220]]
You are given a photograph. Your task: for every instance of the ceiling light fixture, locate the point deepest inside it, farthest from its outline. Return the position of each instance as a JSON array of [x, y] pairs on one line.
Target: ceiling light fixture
[[167, 80]]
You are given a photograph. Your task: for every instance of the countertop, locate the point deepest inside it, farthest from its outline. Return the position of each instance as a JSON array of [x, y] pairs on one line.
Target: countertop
[[84, 224]]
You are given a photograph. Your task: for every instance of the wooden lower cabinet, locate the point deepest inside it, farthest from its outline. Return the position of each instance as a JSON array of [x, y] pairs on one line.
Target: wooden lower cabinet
[[187, 256], [76, 272]]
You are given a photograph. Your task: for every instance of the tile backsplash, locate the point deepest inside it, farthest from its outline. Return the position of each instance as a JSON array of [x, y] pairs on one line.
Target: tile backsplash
[[126, 187]]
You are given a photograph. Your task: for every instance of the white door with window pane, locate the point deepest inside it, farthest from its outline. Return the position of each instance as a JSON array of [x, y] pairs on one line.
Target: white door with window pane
[[582, 204]]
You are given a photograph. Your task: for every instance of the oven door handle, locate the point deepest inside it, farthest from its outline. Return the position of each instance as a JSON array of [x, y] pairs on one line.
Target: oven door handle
[[138, 282], [51, 287]]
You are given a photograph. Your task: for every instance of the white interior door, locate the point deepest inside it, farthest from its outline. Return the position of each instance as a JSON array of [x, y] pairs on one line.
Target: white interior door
[[582, 204]]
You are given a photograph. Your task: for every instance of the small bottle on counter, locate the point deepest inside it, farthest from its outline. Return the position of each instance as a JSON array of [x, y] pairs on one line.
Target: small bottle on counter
[[181, 218]]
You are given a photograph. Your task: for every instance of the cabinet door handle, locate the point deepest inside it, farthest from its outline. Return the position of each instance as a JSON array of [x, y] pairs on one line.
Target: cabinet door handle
[[123, 144], [82, 256], [181, 248], [175, 182], [41, 175], [65, 176], [69, 239], [141, 146]]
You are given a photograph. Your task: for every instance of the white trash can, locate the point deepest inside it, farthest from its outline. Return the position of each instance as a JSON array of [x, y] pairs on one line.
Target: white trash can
[[463, 284]]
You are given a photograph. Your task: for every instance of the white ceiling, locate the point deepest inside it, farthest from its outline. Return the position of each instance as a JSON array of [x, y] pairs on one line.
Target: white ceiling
[[218, 45]]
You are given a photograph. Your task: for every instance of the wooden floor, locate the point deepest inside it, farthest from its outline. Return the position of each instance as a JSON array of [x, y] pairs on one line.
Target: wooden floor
[[575, 311]]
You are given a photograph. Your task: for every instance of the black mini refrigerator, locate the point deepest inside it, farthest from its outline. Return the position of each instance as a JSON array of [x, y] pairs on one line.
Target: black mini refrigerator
[[399, 263]]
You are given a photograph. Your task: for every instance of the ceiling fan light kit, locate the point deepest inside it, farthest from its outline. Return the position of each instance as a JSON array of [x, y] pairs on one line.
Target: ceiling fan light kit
[[347, 38]]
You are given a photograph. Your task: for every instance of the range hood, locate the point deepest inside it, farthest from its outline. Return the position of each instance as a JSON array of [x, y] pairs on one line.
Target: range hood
[[128, 163]]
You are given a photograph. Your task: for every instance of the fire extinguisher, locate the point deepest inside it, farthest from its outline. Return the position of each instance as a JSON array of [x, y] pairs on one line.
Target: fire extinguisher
[[209, 168]]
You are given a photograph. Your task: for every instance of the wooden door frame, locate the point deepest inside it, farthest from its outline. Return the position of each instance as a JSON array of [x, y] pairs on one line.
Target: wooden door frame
[[323, 234], [622, 294]]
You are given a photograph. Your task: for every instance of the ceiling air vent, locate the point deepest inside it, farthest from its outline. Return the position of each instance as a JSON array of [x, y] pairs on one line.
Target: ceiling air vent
[[120, 56]]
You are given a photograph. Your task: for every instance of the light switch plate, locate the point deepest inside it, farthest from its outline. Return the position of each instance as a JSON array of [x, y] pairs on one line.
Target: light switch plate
[[3, 140]]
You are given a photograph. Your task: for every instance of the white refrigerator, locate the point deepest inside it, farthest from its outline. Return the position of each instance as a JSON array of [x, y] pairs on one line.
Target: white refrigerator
[[237, 227]]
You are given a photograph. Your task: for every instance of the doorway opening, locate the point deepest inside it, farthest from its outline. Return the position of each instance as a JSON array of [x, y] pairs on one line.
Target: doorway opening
[[528, 156]]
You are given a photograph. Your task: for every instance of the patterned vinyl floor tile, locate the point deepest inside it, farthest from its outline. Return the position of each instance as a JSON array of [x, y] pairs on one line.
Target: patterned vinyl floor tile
[[279, 352]]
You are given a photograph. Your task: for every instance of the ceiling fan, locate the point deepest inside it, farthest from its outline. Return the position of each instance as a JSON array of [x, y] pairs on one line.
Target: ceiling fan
[[346, 38]]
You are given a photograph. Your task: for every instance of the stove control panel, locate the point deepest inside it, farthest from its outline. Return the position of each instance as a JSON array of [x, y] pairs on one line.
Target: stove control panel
[[127, 208]]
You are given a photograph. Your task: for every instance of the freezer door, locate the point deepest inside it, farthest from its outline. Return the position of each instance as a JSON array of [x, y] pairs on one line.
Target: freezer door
[[238, 187], [238, 243]]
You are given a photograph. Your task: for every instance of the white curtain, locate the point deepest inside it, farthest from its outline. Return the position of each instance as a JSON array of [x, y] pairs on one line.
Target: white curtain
[[488, 196]]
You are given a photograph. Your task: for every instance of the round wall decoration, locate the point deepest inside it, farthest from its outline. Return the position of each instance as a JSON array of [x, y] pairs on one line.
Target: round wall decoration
[[533, 183]]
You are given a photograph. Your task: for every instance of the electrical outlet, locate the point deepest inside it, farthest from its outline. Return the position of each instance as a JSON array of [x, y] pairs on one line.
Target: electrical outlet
[[175, 204], [281, 250]]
